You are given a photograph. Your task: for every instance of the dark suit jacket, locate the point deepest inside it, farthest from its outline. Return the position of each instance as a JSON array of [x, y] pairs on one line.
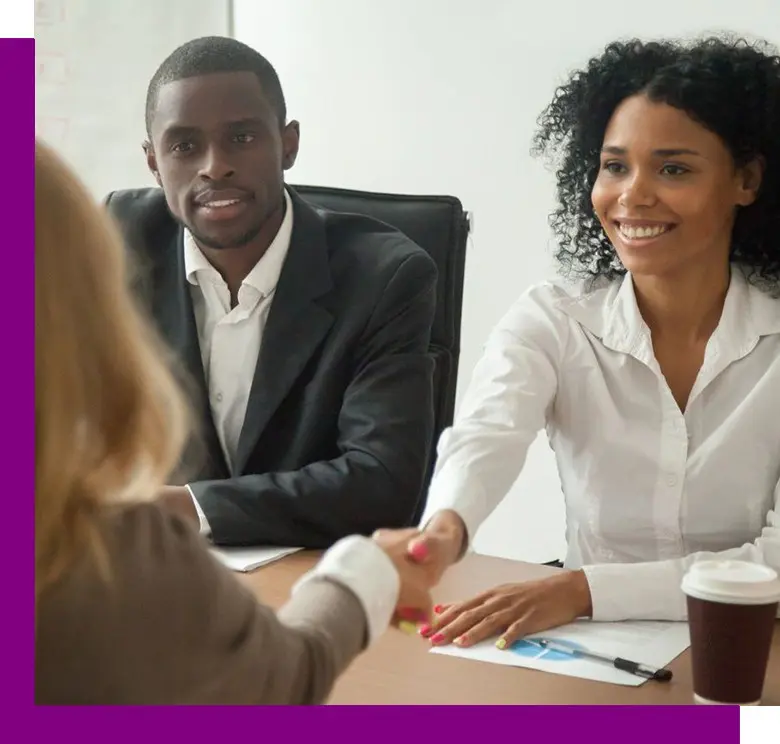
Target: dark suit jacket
[[339, 423]]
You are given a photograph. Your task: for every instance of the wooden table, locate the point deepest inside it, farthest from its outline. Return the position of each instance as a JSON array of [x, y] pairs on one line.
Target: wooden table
[[398, 670]]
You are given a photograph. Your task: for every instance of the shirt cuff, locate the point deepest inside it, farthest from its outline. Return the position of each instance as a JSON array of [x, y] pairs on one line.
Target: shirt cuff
[[205, 528], [468, 505], [360, 565], [636, 591]]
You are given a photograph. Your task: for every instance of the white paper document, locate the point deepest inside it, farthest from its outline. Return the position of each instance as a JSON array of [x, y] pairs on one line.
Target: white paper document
[[652, 643], [248, 559]]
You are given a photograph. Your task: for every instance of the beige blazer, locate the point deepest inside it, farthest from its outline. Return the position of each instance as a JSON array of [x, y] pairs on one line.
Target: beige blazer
[[173, 626]]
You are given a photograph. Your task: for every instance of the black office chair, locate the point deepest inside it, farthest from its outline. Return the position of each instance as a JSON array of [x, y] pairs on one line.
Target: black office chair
[[439, 225]]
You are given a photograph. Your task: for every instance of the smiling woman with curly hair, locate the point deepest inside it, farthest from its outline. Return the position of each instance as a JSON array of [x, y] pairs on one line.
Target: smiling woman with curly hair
[[657, 374], [729, 88]]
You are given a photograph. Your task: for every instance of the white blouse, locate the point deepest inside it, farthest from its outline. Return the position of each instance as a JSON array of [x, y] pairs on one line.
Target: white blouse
[[648, 489]]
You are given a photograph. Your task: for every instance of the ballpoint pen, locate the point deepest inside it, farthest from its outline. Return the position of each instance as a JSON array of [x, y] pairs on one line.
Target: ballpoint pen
[[633, 667]]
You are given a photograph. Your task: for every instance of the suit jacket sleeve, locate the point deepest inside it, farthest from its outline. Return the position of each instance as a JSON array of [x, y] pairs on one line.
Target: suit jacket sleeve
[[385, 433], [170, 625]]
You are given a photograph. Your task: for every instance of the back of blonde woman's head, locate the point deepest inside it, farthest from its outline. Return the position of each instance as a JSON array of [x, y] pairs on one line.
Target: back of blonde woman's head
[[110, 421]]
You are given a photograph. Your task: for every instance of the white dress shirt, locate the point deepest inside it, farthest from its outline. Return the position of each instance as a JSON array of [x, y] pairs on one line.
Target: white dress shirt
[[230, 338], [648, 489]]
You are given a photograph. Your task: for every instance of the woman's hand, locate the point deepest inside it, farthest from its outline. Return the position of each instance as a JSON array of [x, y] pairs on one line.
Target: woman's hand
[[414, 599], [439, 545], [512, 611]]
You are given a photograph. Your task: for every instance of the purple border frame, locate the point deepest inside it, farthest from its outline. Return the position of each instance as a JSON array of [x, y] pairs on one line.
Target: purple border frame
[[574, 725], [377, 725], [17, 123]]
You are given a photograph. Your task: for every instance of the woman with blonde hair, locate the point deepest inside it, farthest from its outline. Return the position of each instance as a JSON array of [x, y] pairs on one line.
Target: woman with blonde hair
[[130, 606]]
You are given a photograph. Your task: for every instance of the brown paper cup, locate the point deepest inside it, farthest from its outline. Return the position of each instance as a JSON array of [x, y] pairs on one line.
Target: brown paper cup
[[732, 607]]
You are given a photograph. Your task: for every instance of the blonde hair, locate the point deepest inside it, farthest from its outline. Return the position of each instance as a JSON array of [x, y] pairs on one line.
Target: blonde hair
[[110, 421]]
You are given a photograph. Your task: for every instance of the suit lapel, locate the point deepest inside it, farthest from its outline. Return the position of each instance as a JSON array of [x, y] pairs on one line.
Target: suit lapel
[[172, 309], [295, 327]]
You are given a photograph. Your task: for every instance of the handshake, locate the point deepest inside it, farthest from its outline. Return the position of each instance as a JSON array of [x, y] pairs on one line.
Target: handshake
[[421, 558]]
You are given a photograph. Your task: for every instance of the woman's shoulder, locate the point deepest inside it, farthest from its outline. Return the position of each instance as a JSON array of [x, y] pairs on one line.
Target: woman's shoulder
[[560, 291], [144, 556], [552, 304], [99, 632], [148, 529], [157, 556]]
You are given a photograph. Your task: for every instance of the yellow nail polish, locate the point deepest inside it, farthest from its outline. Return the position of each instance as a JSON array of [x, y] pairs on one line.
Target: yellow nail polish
[[406, 627], [501, 644]]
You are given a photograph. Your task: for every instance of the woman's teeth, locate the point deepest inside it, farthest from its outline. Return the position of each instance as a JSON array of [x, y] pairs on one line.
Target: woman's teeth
[[639, 232]]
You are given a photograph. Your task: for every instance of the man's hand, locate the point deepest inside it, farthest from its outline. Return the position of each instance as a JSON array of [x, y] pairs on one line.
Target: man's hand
[[177, 500]]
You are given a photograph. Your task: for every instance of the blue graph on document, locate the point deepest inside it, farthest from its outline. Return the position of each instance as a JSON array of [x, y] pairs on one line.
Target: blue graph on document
[[530, 649]]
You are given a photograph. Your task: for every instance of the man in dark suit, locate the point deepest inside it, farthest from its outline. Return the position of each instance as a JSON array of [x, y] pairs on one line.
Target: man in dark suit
[[304, 333]]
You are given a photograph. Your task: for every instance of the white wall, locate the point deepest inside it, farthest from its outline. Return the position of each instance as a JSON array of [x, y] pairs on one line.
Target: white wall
[[94, 60], [441, 96]]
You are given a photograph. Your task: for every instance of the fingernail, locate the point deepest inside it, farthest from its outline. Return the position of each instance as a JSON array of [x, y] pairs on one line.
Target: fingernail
[[419, 551], [424, 630], [406, 627], [408, 613], [501, 644], [438, 638], [438, 609], [460, 640]]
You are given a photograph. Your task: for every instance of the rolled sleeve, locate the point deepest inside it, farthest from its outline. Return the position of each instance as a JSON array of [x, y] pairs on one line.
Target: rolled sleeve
[[638, 591], [652, 591], [360, 565]]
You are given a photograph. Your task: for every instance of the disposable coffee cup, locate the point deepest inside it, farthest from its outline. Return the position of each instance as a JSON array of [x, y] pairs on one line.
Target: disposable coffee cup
[[732, 607]]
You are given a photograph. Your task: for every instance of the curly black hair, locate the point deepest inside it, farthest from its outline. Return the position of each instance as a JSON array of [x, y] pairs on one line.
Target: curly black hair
[[730, 86]]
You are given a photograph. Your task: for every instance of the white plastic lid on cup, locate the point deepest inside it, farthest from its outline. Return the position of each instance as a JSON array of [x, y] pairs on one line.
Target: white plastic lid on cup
[[732, 582]]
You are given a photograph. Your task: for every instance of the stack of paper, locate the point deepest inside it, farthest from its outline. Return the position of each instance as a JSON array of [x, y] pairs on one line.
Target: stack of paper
[[653, 643], [248, 559]]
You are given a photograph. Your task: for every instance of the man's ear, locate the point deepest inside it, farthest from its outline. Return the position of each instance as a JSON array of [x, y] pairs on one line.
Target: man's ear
[[291, 139], [751, 176], [151, 161]]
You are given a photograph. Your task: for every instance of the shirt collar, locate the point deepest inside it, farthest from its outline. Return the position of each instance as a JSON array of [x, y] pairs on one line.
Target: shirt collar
[[610, 311], [264, 276]]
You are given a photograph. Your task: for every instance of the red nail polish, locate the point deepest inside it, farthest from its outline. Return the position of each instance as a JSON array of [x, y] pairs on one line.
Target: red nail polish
[[438, 638], [419, 551], [438, 609], [424, 630]]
